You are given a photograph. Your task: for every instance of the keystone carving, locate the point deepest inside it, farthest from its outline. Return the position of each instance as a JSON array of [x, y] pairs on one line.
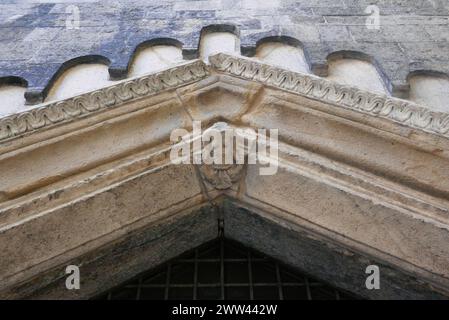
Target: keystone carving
[[221, 176]]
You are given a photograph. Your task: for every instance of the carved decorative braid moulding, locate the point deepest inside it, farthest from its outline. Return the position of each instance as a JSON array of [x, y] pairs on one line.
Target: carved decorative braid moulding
[[309, 86], [115, 95], [398, 110]]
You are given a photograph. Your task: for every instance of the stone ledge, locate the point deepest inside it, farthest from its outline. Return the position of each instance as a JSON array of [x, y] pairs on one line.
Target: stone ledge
[[400, 111], [319, 256]]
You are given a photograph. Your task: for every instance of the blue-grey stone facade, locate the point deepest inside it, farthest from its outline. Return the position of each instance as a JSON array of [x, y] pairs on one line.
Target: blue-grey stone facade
[[35, 41]]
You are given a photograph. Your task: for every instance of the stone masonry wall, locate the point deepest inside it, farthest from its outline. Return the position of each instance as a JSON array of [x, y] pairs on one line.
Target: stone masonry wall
[[35, 40]]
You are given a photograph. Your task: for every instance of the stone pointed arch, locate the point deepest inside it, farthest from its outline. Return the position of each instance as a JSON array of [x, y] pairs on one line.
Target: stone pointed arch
[[89, 181]]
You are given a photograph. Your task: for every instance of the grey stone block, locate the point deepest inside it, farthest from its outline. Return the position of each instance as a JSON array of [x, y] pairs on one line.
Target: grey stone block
[[411, 33]]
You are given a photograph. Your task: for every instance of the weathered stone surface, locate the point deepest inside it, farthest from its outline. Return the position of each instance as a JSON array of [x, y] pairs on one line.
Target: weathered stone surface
[[117, 262], [317, 256], [135, 130], [218, 97], [361, 169], [320, 134], [35, 41], [117, 209], [340, 209]]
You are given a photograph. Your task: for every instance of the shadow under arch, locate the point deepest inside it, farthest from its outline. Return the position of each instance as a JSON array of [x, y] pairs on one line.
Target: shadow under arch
[[33, 97], [427, 72], [356, 55], [282, 39], [189, 54], [118, 73], [13, 81]]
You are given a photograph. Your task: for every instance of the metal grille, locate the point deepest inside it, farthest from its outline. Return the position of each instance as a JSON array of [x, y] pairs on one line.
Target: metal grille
[[224, 269]]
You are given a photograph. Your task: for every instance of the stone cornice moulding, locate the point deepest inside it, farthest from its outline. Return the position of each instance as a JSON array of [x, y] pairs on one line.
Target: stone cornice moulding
[[131, 170], [316, 88], [77, 107], [309, 86]]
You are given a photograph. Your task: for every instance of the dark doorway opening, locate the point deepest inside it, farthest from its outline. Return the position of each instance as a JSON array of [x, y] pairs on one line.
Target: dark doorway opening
[[225, 269]]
